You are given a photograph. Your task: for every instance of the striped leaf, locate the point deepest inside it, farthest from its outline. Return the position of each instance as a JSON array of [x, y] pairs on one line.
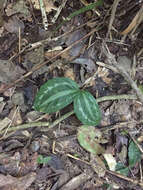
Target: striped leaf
[[55, 95], [87, 109]]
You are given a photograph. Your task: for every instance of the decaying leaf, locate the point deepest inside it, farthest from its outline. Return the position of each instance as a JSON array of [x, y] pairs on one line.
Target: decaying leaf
[[97, 165], [13, 25], [89, 138], [4, 123], [12, 183], [49, 6], [123, 154], [2, 104], [104, 74], [69, 73], [125, 63], [35, 57], [9, 71], [2, 2], [18, 7], [110, 161], [53, 52], [15, 117]]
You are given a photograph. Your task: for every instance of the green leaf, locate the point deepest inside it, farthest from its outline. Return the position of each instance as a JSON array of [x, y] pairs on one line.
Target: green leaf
[[55, 94], [42, 160], [89, 139], [134, 154], [141, 88], [87, 109], [122, 169], [84, 9]]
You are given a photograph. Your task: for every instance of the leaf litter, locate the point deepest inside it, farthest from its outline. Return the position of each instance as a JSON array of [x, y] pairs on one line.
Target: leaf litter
[[21, 26]]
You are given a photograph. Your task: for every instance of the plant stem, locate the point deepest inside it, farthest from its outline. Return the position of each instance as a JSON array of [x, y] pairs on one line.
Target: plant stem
[[116, 97], [49, 126]]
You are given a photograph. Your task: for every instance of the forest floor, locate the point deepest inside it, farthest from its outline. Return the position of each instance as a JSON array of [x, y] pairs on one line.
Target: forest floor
[[97, 44]]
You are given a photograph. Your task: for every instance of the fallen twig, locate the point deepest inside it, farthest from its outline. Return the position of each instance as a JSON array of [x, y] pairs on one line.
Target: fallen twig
[[32, 46], [113, 173], [134, 23], [133, 181], [44, 15], [75, 182], [114, 7]]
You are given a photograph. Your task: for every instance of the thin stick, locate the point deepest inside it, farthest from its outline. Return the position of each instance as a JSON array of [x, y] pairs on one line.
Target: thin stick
[[44, 16], [116, 97], [120, 125], [134, 181], [19, 44], [138, 145], [48, 40], [13, 117], [75, 182], [139, 20], [114, 7], [59, 11], [40, 124], [106, 66]]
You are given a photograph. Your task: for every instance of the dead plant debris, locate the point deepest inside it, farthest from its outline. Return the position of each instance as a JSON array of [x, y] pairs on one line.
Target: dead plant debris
[[97, 44]]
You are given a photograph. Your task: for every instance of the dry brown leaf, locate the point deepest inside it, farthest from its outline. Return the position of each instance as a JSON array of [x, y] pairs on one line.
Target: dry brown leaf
[[97, 165], [103, 73], [13, 25], [4, 123], [69, 73], [2, 104], [15, 117], [9, 92], [19, 7], [49, 5], [9, 71], [12, 183]]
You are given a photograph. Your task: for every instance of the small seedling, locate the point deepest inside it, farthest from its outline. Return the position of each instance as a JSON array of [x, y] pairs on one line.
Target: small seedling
[[43, 160], [57, 93]]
